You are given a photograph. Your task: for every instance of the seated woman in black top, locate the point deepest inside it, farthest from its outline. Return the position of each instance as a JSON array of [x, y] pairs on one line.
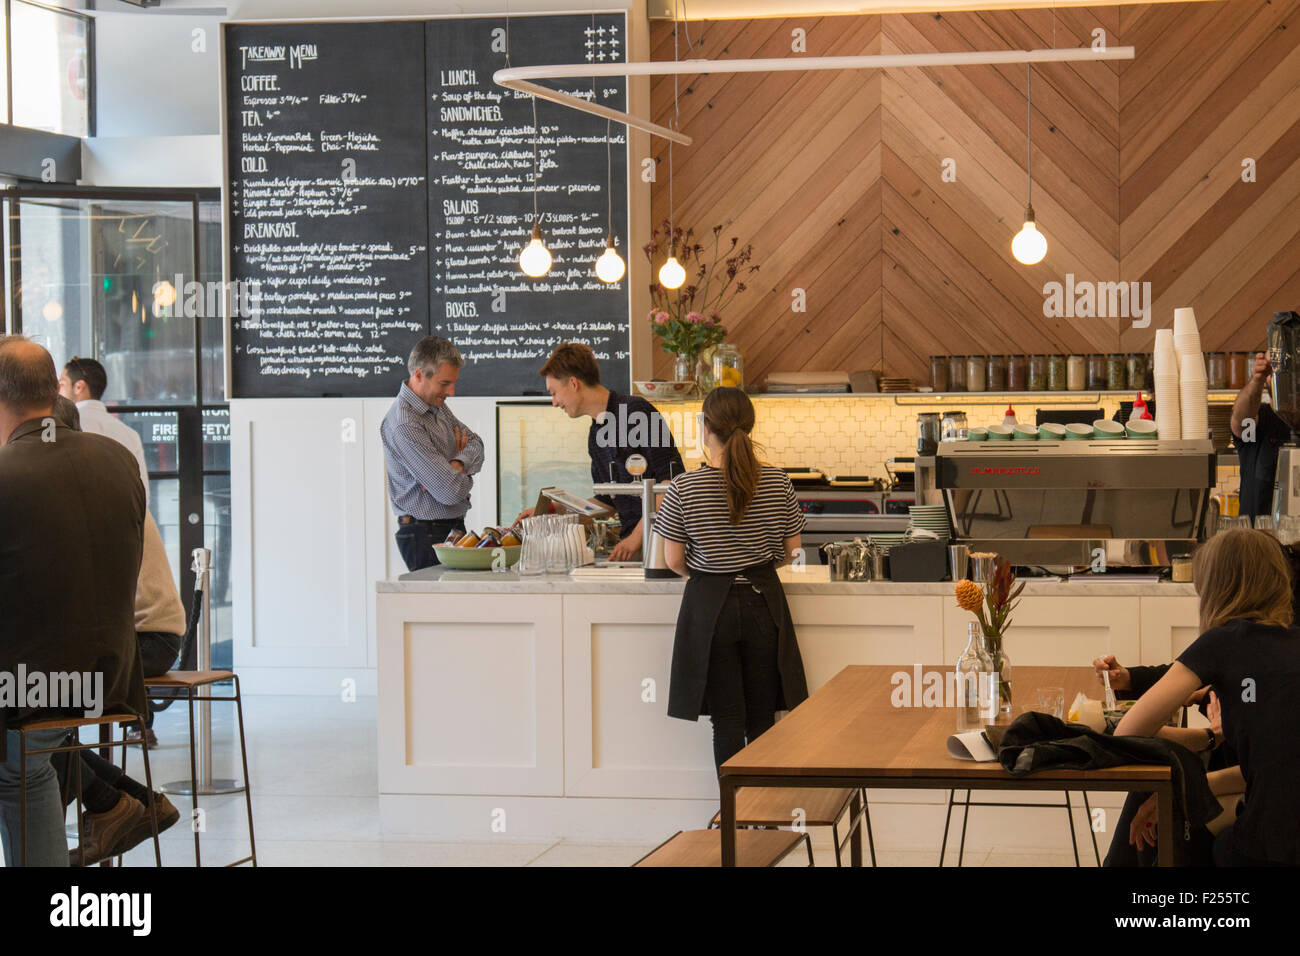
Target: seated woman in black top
[[1250, 655], [735, 656]]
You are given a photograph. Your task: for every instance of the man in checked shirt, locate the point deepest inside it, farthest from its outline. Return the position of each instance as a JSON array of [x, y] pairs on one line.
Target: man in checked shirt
[[431, 456]]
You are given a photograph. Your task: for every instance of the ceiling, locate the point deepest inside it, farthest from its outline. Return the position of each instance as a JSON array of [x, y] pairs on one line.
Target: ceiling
[[738, 9]]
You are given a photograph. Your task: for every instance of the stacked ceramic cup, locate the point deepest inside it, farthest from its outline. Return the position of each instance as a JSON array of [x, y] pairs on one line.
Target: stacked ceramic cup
[[1165, 372], [1193, 383]]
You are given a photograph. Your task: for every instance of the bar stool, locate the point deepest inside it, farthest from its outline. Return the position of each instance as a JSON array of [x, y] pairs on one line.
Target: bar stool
[[822, 807], [183, 685], [59, 723], [704, 848]]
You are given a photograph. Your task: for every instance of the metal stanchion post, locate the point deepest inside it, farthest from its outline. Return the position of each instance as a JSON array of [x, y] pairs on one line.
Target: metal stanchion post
[[202, 568]]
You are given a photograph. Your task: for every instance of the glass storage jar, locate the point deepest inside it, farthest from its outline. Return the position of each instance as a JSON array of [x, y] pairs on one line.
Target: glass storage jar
[[976, 372], [996, 373], [1056, 369], [927, 433], [1137, 370], [728, 366], [1017, 373], [957, 373], [1239, 366], [1038, 373], [1076, 373], [939, 373], [1116, 372], [1216, 369], [1096, 371]]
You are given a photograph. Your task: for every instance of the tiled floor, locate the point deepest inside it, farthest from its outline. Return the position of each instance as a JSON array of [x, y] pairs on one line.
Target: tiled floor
[[314, 796]]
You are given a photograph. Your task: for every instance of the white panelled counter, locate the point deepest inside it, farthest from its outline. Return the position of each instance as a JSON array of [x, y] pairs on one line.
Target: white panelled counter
[[534, 707]]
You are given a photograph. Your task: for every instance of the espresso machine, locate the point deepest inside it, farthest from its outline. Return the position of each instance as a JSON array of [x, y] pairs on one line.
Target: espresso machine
[[1062, 505], [1284, 356]]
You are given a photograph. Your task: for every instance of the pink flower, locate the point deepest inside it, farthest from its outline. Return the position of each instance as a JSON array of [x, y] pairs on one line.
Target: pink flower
[[659, 317], [695, 318], [714, 318]]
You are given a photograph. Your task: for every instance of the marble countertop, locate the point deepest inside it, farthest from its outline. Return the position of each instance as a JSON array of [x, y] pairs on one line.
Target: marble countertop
[[809, 580]]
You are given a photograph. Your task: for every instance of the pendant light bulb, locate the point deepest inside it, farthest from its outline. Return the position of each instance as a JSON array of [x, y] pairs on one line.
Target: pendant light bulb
[[535, 259], [1029, 246], [610, 266], [671, 274]]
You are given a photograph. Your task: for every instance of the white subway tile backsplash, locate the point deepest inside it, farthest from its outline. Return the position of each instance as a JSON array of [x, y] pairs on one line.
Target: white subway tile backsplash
[[846, 435]]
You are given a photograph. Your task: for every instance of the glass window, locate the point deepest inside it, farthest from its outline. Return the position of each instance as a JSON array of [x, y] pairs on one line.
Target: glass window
[[216, 439], [158, 431], [210, 262], [113, 280], [4, 67], [51, 69], [216, 536], [164, 505]]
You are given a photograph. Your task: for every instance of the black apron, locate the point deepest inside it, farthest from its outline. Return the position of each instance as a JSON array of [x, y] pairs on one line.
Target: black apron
[[697, 621]]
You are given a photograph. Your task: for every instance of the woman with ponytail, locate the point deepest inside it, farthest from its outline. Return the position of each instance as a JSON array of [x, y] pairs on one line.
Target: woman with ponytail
[[729, 524]]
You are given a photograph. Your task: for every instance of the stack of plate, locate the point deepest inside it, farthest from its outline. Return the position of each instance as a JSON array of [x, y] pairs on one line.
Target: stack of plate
[[1193, 383], [1165, 373], [886, 541], [930, 518]]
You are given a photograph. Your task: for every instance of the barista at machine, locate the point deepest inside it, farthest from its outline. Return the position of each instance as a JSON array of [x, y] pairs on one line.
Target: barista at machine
[[622, 426], [1259, 432]]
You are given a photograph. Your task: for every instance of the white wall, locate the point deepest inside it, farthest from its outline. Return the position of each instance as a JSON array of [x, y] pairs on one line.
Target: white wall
[[157, 75], [312, 527]]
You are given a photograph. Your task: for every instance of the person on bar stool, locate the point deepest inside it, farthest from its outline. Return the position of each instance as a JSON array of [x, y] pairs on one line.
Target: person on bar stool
[[62, 609], [431, 456], [729, 526], [84, 381], [159, 618]]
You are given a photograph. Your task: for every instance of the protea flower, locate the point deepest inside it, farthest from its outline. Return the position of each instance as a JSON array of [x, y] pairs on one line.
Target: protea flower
[[969, 596]]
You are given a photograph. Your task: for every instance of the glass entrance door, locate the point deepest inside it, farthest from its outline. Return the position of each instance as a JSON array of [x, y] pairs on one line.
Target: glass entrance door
[[123, 276]]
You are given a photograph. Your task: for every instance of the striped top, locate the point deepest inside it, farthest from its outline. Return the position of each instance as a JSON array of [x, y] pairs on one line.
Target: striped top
[[694, 513]]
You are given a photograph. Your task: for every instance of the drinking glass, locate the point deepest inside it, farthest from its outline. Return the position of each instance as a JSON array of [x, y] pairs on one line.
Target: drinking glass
[[1265, 523], [1288, 529], [1051, 700], [556, 562], [1227, 522], [532, 559]]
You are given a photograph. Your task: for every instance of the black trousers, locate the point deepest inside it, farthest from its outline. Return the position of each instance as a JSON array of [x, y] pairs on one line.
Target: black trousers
[[158, 653], [743, 683], [1196, 851], [101, 781], [415, 539]]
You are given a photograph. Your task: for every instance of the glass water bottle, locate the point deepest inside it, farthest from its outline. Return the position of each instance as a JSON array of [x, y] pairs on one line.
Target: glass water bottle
[[974, 668]]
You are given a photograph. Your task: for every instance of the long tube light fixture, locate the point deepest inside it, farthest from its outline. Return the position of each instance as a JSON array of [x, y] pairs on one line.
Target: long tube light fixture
[[519, 77]]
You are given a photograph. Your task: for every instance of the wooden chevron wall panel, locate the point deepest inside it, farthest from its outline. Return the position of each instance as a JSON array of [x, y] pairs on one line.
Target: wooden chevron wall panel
[[1222, 87], [839, 179]]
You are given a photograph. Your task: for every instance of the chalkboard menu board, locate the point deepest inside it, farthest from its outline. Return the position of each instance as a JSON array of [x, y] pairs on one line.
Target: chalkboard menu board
[[380, 188]]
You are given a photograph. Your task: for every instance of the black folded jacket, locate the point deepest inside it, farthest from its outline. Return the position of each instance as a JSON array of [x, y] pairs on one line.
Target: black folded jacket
[[1035, 742]]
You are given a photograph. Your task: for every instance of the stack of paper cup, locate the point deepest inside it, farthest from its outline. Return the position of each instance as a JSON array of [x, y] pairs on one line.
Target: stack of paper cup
[[1165, 373], [1193, 383], [1187, 335]]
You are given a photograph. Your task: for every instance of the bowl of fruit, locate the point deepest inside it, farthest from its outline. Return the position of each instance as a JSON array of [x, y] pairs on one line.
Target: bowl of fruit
[[658, 389], [485, 551]]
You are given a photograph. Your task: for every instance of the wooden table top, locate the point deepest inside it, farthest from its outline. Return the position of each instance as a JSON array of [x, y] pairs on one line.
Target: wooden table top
[[850, 727]]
